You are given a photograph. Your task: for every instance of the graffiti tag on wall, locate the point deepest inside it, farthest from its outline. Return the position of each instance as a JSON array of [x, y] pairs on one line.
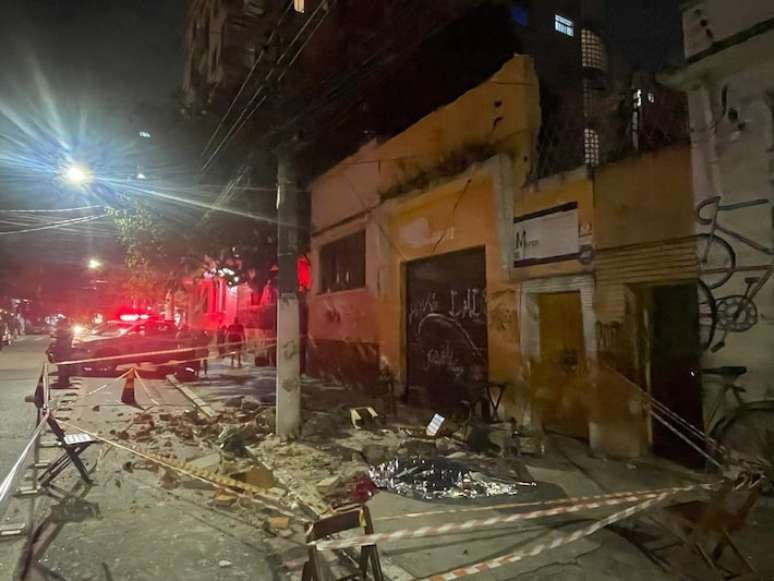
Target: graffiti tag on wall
[[733, 313], [463, 304]]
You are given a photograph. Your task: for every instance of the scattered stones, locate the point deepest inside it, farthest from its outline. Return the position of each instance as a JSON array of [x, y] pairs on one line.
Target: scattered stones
[[234, 402], [375, 454], [266, 420], [447, 445], [250, 404], [142, 418], [223, 499], [223, 563], [321, 425], [232, 440]]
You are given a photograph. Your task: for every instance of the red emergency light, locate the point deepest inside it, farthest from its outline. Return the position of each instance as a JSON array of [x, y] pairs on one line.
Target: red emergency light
[[131, 317]]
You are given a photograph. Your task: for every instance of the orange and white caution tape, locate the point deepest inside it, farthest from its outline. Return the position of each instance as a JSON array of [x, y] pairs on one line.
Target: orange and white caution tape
[[144, 387], [478, 524], [547, 546]]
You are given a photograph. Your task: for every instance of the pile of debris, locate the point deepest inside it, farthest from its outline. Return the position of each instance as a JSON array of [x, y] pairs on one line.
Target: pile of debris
[[344, 455]]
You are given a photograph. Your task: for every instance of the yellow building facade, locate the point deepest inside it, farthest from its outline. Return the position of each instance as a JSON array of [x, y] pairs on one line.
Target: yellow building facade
[[440, 262]]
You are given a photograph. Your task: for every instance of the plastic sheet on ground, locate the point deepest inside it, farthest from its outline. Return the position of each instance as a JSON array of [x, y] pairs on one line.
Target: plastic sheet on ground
[[438, 478]]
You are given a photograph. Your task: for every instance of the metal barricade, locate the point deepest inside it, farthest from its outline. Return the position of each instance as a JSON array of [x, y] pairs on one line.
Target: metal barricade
[[9, 488]]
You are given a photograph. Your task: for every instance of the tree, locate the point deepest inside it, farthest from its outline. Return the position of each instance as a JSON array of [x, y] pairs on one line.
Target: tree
[[159, 254]]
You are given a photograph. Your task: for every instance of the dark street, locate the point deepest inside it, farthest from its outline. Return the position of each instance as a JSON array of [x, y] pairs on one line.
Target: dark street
[[386, 289], [20, 368]]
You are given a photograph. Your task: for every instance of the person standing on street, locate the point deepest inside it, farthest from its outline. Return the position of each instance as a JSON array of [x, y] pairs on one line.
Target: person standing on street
[[236, 339], [202, 344], [63, 349], [221, 341]]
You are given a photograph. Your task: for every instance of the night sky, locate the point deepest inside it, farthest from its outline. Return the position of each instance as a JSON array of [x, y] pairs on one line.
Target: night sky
[[77, 69]]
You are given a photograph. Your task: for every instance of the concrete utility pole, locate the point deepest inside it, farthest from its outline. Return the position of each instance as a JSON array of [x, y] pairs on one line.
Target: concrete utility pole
[[288, 409]]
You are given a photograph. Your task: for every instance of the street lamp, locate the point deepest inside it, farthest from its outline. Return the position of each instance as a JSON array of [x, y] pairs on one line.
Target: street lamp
[[94, 263], [77, 175]]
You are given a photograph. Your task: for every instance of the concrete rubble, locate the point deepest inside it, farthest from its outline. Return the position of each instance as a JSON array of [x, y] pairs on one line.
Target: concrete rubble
[[329, 467]]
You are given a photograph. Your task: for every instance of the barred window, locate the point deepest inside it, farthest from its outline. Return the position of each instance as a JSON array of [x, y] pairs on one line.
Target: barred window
[[342, 264], [591, 146], [564, 25], [593, 52]]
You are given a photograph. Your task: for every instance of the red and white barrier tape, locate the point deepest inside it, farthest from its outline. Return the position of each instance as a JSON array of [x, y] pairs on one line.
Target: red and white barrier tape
[[547, 546], [542, 503], [476, 524], [244, 346]]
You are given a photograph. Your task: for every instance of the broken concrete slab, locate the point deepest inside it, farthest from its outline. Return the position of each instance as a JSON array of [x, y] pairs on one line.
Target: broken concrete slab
[[258, 475], [328, 486], [210, 462]]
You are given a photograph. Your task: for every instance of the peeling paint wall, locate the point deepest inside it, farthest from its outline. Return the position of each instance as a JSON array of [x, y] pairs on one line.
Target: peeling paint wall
[[444, 184]]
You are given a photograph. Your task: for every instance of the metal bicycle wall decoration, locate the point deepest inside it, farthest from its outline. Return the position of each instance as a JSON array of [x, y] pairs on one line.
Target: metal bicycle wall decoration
[[733, 313]]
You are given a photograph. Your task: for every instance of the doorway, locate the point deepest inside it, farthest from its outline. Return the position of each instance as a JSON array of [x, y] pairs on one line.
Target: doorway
[[446, 328], [675, 358], [563, 361]]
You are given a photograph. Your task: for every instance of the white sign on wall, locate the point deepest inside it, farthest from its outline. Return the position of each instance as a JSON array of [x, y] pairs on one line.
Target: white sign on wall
[[549, 235]]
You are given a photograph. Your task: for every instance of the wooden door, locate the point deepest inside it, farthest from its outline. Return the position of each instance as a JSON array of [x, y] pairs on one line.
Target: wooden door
[[563, 362]]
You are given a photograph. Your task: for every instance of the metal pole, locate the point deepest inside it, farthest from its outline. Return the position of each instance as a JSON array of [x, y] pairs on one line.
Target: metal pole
[[288, 414]]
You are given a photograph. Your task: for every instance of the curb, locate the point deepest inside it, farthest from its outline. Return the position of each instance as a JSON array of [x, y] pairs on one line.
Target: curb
[[203, 406]]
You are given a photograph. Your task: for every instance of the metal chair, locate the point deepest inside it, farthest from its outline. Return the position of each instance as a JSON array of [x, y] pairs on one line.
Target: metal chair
[[344, 520], [705, 527]]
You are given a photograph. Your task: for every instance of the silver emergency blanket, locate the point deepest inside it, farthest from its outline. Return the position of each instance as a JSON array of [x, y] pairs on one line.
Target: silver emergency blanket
[[436, 478]]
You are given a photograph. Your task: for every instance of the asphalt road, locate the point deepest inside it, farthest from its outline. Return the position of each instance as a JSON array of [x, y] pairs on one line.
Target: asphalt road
[[19, 371]]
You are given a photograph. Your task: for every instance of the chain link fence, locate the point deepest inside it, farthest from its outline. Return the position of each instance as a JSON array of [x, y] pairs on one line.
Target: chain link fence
[[603, 126]]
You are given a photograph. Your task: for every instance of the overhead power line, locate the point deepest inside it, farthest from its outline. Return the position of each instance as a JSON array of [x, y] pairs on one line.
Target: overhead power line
[[55, 225], [48, 210], [249, 75], [247, 111]]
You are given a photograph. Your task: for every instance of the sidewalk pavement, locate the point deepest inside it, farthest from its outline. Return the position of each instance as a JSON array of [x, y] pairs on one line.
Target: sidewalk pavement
[[20, 367], [138, 522], [142, 523], [566, 471]]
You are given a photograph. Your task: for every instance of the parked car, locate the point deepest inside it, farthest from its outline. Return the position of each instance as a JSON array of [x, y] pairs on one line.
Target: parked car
[[38, 326], [6, 337], [130, 342]]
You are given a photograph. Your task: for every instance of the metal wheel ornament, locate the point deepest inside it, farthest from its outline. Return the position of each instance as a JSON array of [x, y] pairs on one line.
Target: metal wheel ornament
[[717, 260], [707, 316], [736, 313]]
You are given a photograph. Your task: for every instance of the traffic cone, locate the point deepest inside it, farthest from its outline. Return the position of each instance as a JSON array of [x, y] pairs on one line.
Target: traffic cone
[[127, 395]]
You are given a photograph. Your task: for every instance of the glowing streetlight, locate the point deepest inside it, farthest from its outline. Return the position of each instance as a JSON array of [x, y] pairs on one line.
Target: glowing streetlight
[[94, 263], [77, 175]]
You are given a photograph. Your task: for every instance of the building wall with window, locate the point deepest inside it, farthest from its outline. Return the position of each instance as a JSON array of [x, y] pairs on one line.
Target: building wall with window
[[211, 303], [729, 79], [353, 325]]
